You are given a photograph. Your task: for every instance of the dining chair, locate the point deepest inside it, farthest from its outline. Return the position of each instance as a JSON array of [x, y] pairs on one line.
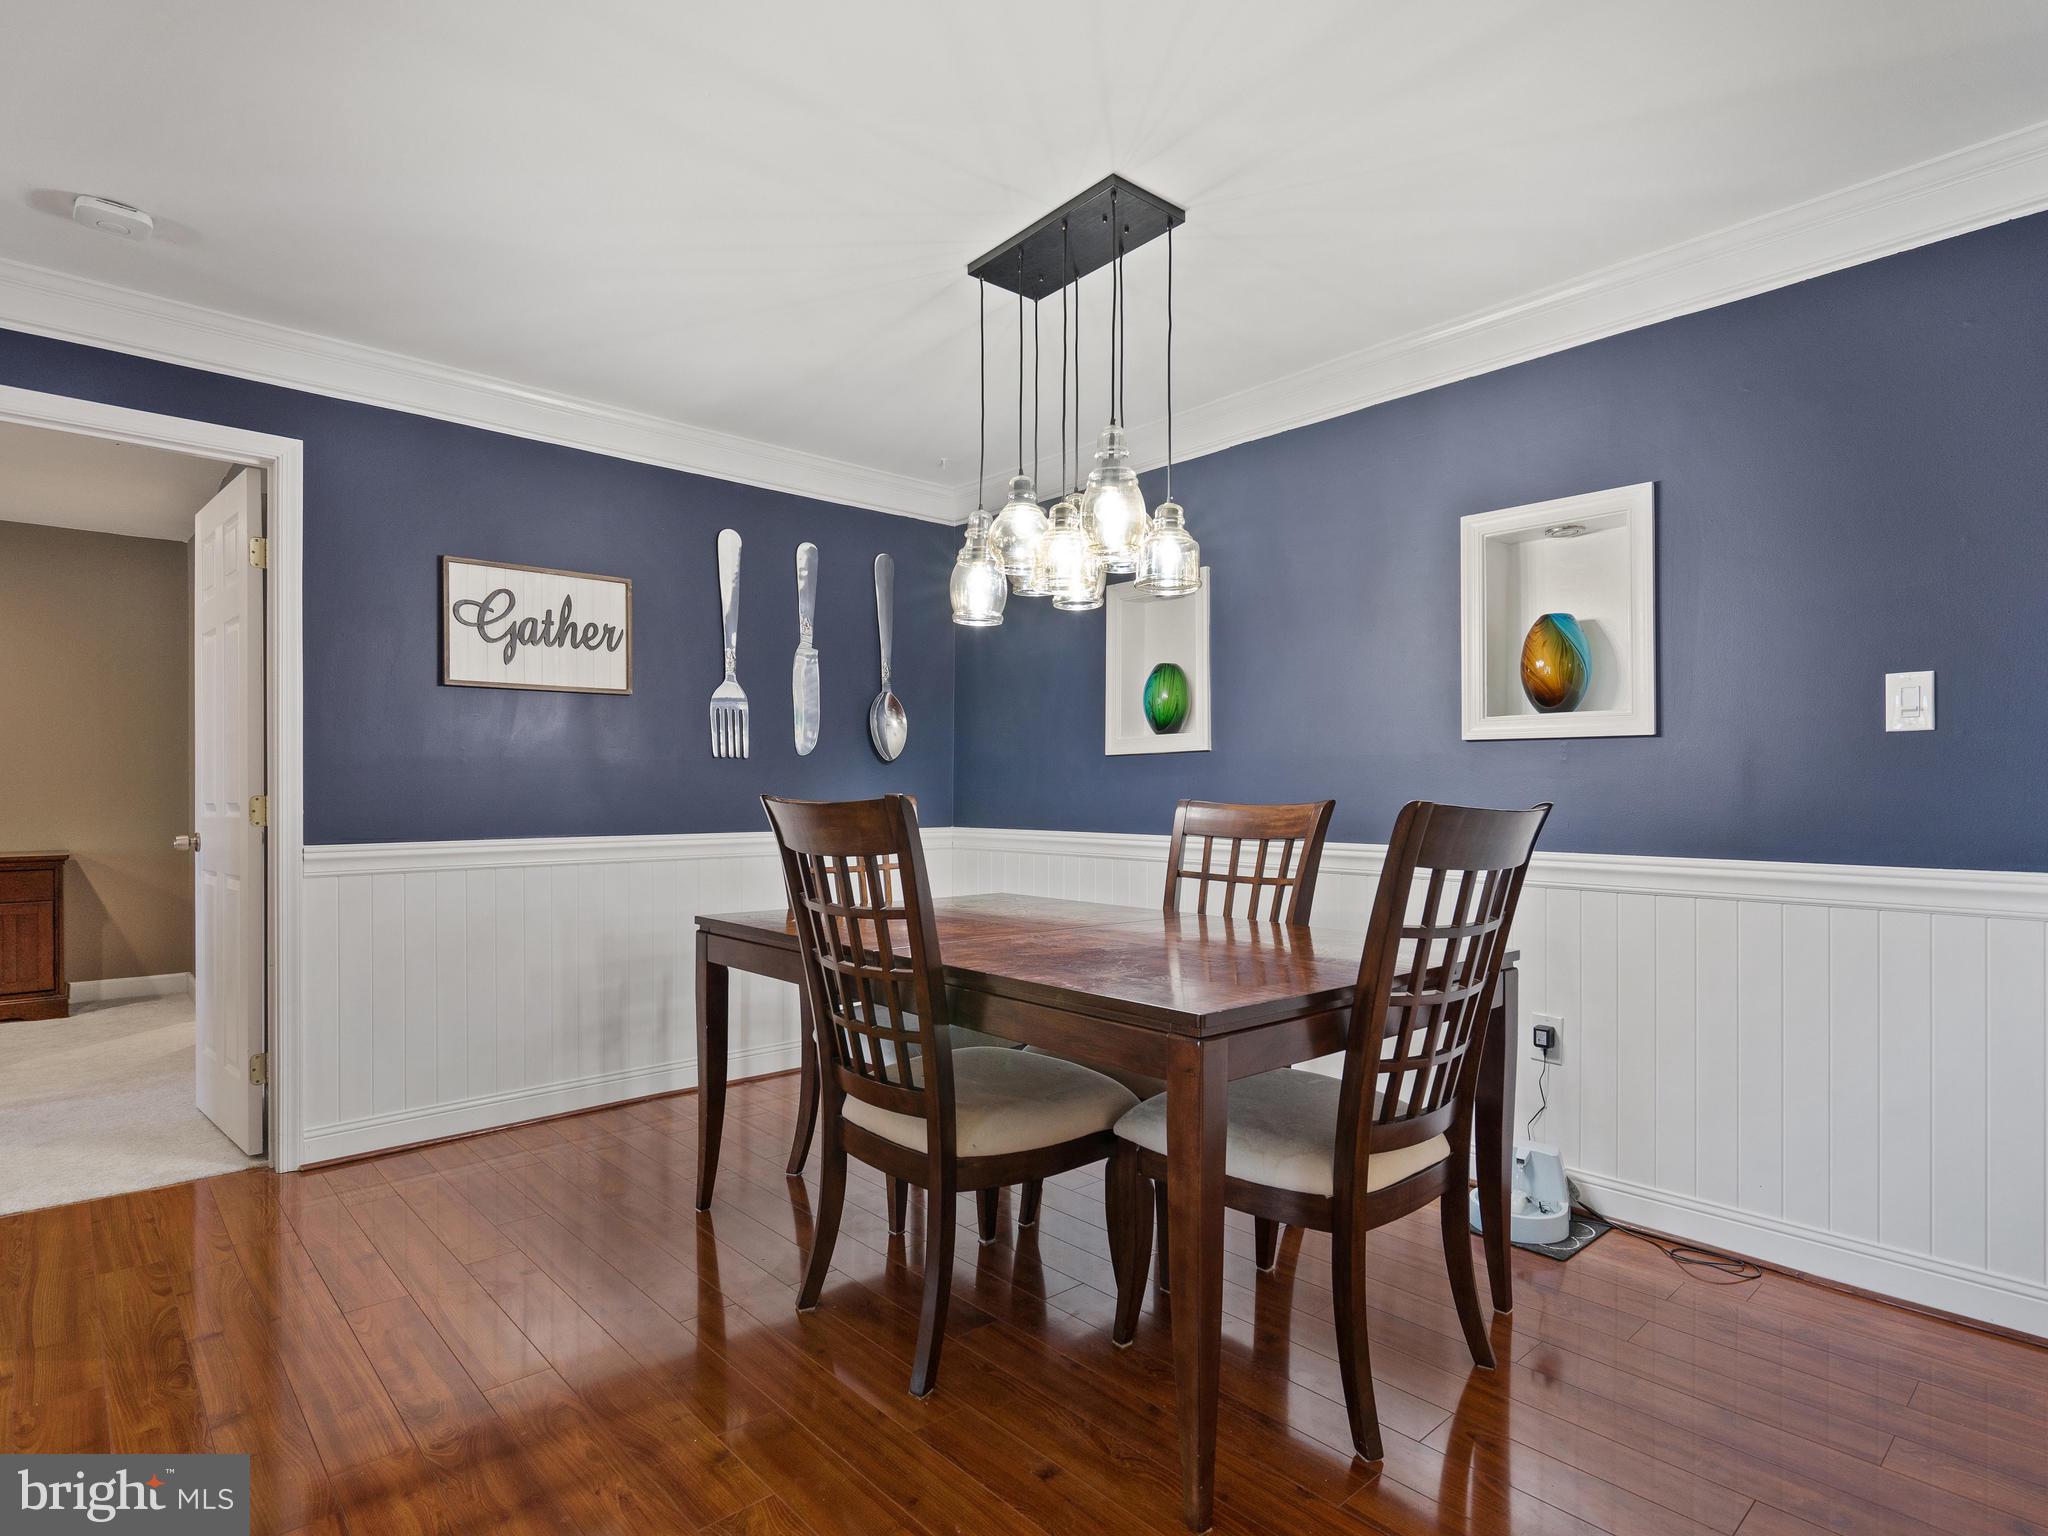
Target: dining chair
[[895, 1091], [888, 871], [1393, 1134], [1292, 837]]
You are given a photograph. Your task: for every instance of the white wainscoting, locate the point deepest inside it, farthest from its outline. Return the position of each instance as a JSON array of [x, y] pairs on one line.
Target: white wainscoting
[[452, 987], [1843, 1070]]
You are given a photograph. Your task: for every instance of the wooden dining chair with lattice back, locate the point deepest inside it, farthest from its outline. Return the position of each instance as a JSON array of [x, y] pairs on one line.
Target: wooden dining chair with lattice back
[[888, 871], [1259, 862], [1394, 1133], [895, 1091]]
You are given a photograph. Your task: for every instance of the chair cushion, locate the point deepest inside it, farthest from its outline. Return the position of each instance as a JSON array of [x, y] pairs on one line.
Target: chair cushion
[[1007, 1101], [1283, 1134], [964, 1038], [1144, 1087]]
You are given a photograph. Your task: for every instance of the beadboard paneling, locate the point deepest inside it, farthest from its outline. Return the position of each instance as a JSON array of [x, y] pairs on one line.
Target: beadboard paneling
[[452, 987], [1840, 1070]]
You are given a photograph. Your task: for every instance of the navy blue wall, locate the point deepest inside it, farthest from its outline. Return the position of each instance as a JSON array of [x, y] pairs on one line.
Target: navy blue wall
[[393, 756], [1852, 479]]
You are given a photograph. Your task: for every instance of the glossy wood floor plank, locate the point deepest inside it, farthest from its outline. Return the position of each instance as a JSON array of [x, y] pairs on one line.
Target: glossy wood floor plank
[[534, 1331]]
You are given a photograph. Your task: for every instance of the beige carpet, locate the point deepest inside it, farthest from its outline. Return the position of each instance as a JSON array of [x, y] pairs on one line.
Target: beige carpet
[[101, 1103]]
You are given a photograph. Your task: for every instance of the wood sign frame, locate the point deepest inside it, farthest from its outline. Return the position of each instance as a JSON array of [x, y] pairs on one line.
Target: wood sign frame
[[591, 653]]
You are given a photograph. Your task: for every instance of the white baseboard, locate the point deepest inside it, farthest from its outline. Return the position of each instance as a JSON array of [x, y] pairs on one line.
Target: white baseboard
[[120, 989], [1918, 1279], [490, 1111]]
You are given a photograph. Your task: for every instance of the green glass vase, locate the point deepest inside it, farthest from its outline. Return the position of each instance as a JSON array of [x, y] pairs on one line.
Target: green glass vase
[[1166, 698]]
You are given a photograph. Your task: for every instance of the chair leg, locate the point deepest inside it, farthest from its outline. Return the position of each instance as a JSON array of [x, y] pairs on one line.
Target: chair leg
[[1354, 1350], [825, 1225], [1130, 1236], [939, 1222], [1456, 1210], [1265, 1242], [1159, 1208], [806, 1104], [985, 1212], [1027, 1202], [899, 1205]]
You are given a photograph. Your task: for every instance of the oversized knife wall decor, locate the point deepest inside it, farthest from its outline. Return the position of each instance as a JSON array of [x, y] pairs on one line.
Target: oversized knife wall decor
[[803, 675]]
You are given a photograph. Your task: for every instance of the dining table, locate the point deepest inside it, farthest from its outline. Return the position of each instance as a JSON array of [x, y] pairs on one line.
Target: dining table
[[1193, 1000]]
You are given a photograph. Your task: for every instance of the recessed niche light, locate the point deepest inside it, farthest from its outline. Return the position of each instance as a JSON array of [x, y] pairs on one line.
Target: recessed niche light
[[112, 218], [1564, 530]]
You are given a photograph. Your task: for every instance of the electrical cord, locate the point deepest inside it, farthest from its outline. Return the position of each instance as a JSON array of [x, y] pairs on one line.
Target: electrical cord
[[1686, 1256]]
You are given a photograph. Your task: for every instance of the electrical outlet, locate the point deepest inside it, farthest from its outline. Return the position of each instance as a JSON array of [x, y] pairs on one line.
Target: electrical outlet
[[1546, 1037]]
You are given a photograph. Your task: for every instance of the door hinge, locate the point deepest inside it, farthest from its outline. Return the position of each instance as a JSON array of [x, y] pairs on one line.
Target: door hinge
[[259, 1068], [259, 552], [259, 810]]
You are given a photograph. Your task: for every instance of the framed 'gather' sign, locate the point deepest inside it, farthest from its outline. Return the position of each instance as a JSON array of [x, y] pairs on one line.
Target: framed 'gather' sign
[[523, 626]]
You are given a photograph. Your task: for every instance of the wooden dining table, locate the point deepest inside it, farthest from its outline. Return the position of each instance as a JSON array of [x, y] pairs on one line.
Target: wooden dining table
[[1193, 1000]]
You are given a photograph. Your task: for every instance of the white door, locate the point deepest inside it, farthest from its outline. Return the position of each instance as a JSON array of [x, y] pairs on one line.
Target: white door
[[227, 770]]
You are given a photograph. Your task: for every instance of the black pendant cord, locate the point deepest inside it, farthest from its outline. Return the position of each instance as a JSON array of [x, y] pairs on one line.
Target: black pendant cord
[[1075, 283], [1020, 365], [1065, 476], [981, 385], [1035, 393], [1115, 300], [1169, 362], [1123, 311]]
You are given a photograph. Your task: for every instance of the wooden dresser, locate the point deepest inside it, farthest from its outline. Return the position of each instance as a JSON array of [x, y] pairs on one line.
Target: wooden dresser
[[32, 984]]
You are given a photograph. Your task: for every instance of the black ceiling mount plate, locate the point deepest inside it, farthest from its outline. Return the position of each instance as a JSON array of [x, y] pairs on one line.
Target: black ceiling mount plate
[[1034, 262]]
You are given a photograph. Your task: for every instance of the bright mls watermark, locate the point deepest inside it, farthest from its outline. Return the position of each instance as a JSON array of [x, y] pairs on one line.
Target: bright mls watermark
[[161, 1495]]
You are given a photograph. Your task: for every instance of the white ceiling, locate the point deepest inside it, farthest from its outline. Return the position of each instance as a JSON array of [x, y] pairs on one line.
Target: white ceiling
[[71, 480], [756, 222]]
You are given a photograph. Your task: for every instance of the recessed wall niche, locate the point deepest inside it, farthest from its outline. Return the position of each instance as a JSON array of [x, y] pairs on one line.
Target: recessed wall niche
[[1593, 557]]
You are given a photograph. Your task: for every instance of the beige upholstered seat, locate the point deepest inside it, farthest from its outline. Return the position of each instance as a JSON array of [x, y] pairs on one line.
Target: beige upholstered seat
[[1139, 1084], [1007, 1101], [964, 1038], [1283, 1133]]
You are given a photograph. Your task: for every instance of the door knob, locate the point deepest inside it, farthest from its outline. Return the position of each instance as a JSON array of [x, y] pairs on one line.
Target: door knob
[[186, 842]]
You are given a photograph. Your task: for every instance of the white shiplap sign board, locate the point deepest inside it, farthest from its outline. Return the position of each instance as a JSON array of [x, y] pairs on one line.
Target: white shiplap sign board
[[522, 626]]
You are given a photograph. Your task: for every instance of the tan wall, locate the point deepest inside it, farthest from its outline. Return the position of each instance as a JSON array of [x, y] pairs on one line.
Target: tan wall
[[96, 737]]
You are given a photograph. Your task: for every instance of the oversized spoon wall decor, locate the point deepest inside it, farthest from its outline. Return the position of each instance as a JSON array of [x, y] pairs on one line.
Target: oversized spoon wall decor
[[888, 724]]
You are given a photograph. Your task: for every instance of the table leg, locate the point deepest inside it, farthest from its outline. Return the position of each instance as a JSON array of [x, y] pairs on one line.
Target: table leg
[[1196, 1117], [714, 1000], [807, 1092], [1496, 1135]]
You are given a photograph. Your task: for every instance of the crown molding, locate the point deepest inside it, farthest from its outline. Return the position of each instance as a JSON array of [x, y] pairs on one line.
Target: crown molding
[[49, 303], [1952, 194]]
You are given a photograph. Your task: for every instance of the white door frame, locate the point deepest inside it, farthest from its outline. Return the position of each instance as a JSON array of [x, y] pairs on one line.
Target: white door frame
[[282, 461]]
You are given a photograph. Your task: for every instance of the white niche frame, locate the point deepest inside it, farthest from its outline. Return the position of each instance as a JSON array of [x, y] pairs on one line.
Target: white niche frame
[[1138, 633], [1510, 572]]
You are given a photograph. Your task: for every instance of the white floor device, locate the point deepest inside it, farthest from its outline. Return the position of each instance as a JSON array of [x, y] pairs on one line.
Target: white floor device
[[1540, 1208]]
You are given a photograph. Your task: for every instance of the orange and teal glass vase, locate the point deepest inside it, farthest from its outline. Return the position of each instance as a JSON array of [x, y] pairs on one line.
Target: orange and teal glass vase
[[1166, 698], [1556, 666]]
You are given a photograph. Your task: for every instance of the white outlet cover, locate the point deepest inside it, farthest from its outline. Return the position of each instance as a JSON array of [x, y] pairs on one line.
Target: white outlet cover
[[1909, 701]]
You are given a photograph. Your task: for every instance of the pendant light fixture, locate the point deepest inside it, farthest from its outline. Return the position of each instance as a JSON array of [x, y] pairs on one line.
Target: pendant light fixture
[[1113, 509], [1169, 561], [1013, 538], [977, 588], [1074, 572], [1069, 552]]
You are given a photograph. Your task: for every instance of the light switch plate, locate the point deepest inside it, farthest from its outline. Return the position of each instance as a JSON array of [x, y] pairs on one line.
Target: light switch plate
[[1909, 701]]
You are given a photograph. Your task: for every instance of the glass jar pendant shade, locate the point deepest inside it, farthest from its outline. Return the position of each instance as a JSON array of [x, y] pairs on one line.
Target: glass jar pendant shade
[[1013, 538], [1069, 566], [1170, 563], [1113, 507], [977, 587]]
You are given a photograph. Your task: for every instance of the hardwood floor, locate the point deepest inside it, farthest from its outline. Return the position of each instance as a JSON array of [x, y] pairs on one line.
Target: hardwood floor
[[532, 1331]]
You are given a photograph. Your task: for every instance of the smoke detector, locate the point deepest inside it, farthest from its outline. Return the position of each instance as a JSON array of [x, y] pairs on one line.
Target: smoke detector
[[112, 218]]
